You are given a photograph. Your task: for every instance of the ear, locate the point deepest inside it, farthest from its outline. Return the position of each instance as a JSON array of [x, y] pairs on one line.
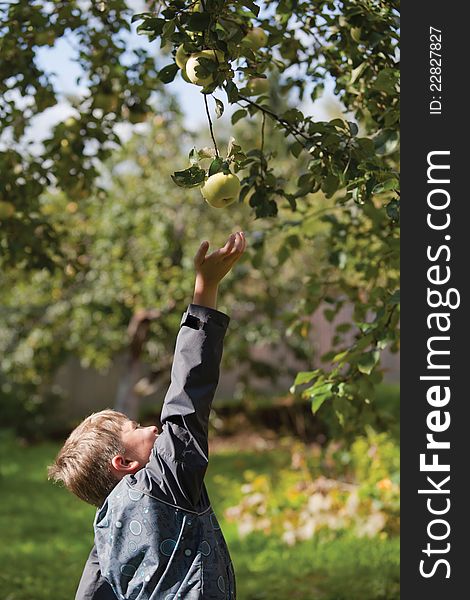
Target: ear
[[124, 465]]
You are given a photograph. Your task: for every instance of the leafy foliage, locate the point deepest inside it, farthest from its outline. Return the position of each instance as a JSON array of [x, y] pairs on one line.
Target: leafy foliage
[[323, 194], [117, 91], [353, 42]]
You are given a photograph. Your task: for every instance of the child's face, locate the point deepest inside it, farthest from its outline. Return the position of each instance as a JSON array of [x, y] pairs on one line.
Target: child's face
[[138, 441]]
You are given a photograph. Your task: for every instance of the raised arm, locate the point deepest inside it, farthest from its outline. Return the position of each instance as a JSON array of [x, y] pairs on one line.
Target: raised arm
[[181, 450]]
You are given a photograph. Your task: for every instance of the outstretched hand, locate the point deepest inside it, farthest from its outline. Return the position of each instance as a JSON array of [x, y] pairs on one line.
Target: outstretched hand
[[213, 267]]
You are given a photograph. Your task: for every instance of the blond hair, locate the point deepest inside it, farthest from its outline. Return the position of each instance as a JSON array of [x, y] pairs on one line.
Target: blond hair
[[83, 464]]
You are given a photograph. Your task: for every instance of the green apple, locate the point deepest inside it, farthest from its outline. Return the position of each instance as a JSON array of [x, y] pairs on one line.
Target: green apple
[[184, 75], [257, 86], [7, 209], [256, 38], [221, 189], [181, 57], [193, 62]]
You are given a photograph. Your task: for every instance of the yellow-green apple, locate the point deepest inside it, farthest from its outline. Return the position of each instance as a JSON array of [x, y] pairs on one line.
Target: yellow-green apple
[[181, 57], [193, 63], [256, 38], [221, 189]]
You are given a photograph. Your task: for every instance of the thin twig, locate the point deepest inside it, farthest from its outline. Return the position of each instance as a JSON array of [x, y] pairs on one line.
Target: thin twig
[[210, 125], [262, 132], [280, 120]]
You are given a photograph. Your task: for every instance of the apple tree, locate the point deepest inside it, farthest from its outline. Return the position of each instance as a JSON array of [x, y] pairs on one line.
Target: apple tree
[[127, 279], [118, 84], [232, 51], [323, 195]]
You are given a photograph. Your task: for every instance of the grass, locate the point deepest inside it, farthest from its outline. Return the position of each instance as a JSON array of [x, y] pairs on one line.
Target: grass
[[47, 534]]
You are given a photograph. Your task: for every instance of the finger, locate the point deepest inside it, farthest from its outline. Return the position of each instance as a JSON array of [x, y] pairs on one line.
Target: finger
[[228, 246], [201, 253], [234, 246], [237, 249], [244, 240], [238, 246]]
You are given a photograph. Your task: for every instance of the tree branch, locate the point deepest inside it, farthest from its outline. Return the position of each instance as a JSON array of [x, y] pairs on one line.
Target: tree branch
[[210, 125], [277, 118]]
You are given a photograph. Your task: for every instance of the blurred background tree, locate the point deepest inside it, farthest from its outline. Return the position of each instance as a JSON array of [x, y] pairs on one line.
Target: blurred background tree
[[96, 240]]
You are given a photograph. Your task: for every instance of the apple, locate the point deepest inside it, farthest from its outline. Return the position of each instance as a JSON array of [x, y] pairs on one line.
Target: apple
[[221, 189], [181, 57], [184, 75], [257, 86], [7, 209], [256, 38], [193, 62]]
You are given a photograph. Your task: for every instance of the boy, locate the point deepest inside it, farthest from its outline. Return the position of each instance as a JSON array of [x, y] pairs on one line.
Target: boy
[[156, 536]]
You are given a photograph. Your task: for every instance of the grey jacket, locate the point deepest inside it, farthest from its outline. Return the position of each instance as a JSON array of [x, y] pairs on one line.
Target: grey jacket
[[156, 536]]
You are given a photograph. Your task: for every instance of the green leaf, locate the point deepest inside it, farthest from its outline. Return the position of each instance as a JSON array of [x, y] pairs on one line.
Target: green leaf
[[330, 185], [363, 342], [238, 114], [292, 116], [219, 108], [296, 148], [394, 298], [318, 393], [305, 376], [189, 178], [386, 81], [216, 166], [329, 314], [232, 92], [353, 128], [252, 6], [140, 16], [357, 72], [153, 25], [386, 142], [168, 73], [243, 192], [385, 186], [368, 361], [393, 210], [337, 123], [198, 21], [339, 358], [169, 29]]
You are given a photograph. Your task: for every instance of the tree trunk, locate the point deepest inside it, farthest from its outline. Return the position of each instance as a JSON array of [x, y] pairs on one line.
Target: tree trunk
[[127, 399]]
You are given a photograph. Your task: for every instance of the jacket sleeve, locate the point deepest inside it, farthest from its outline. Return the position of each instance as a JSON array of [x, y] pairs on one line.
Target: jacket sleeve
[[181, 450], [92, 585]]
